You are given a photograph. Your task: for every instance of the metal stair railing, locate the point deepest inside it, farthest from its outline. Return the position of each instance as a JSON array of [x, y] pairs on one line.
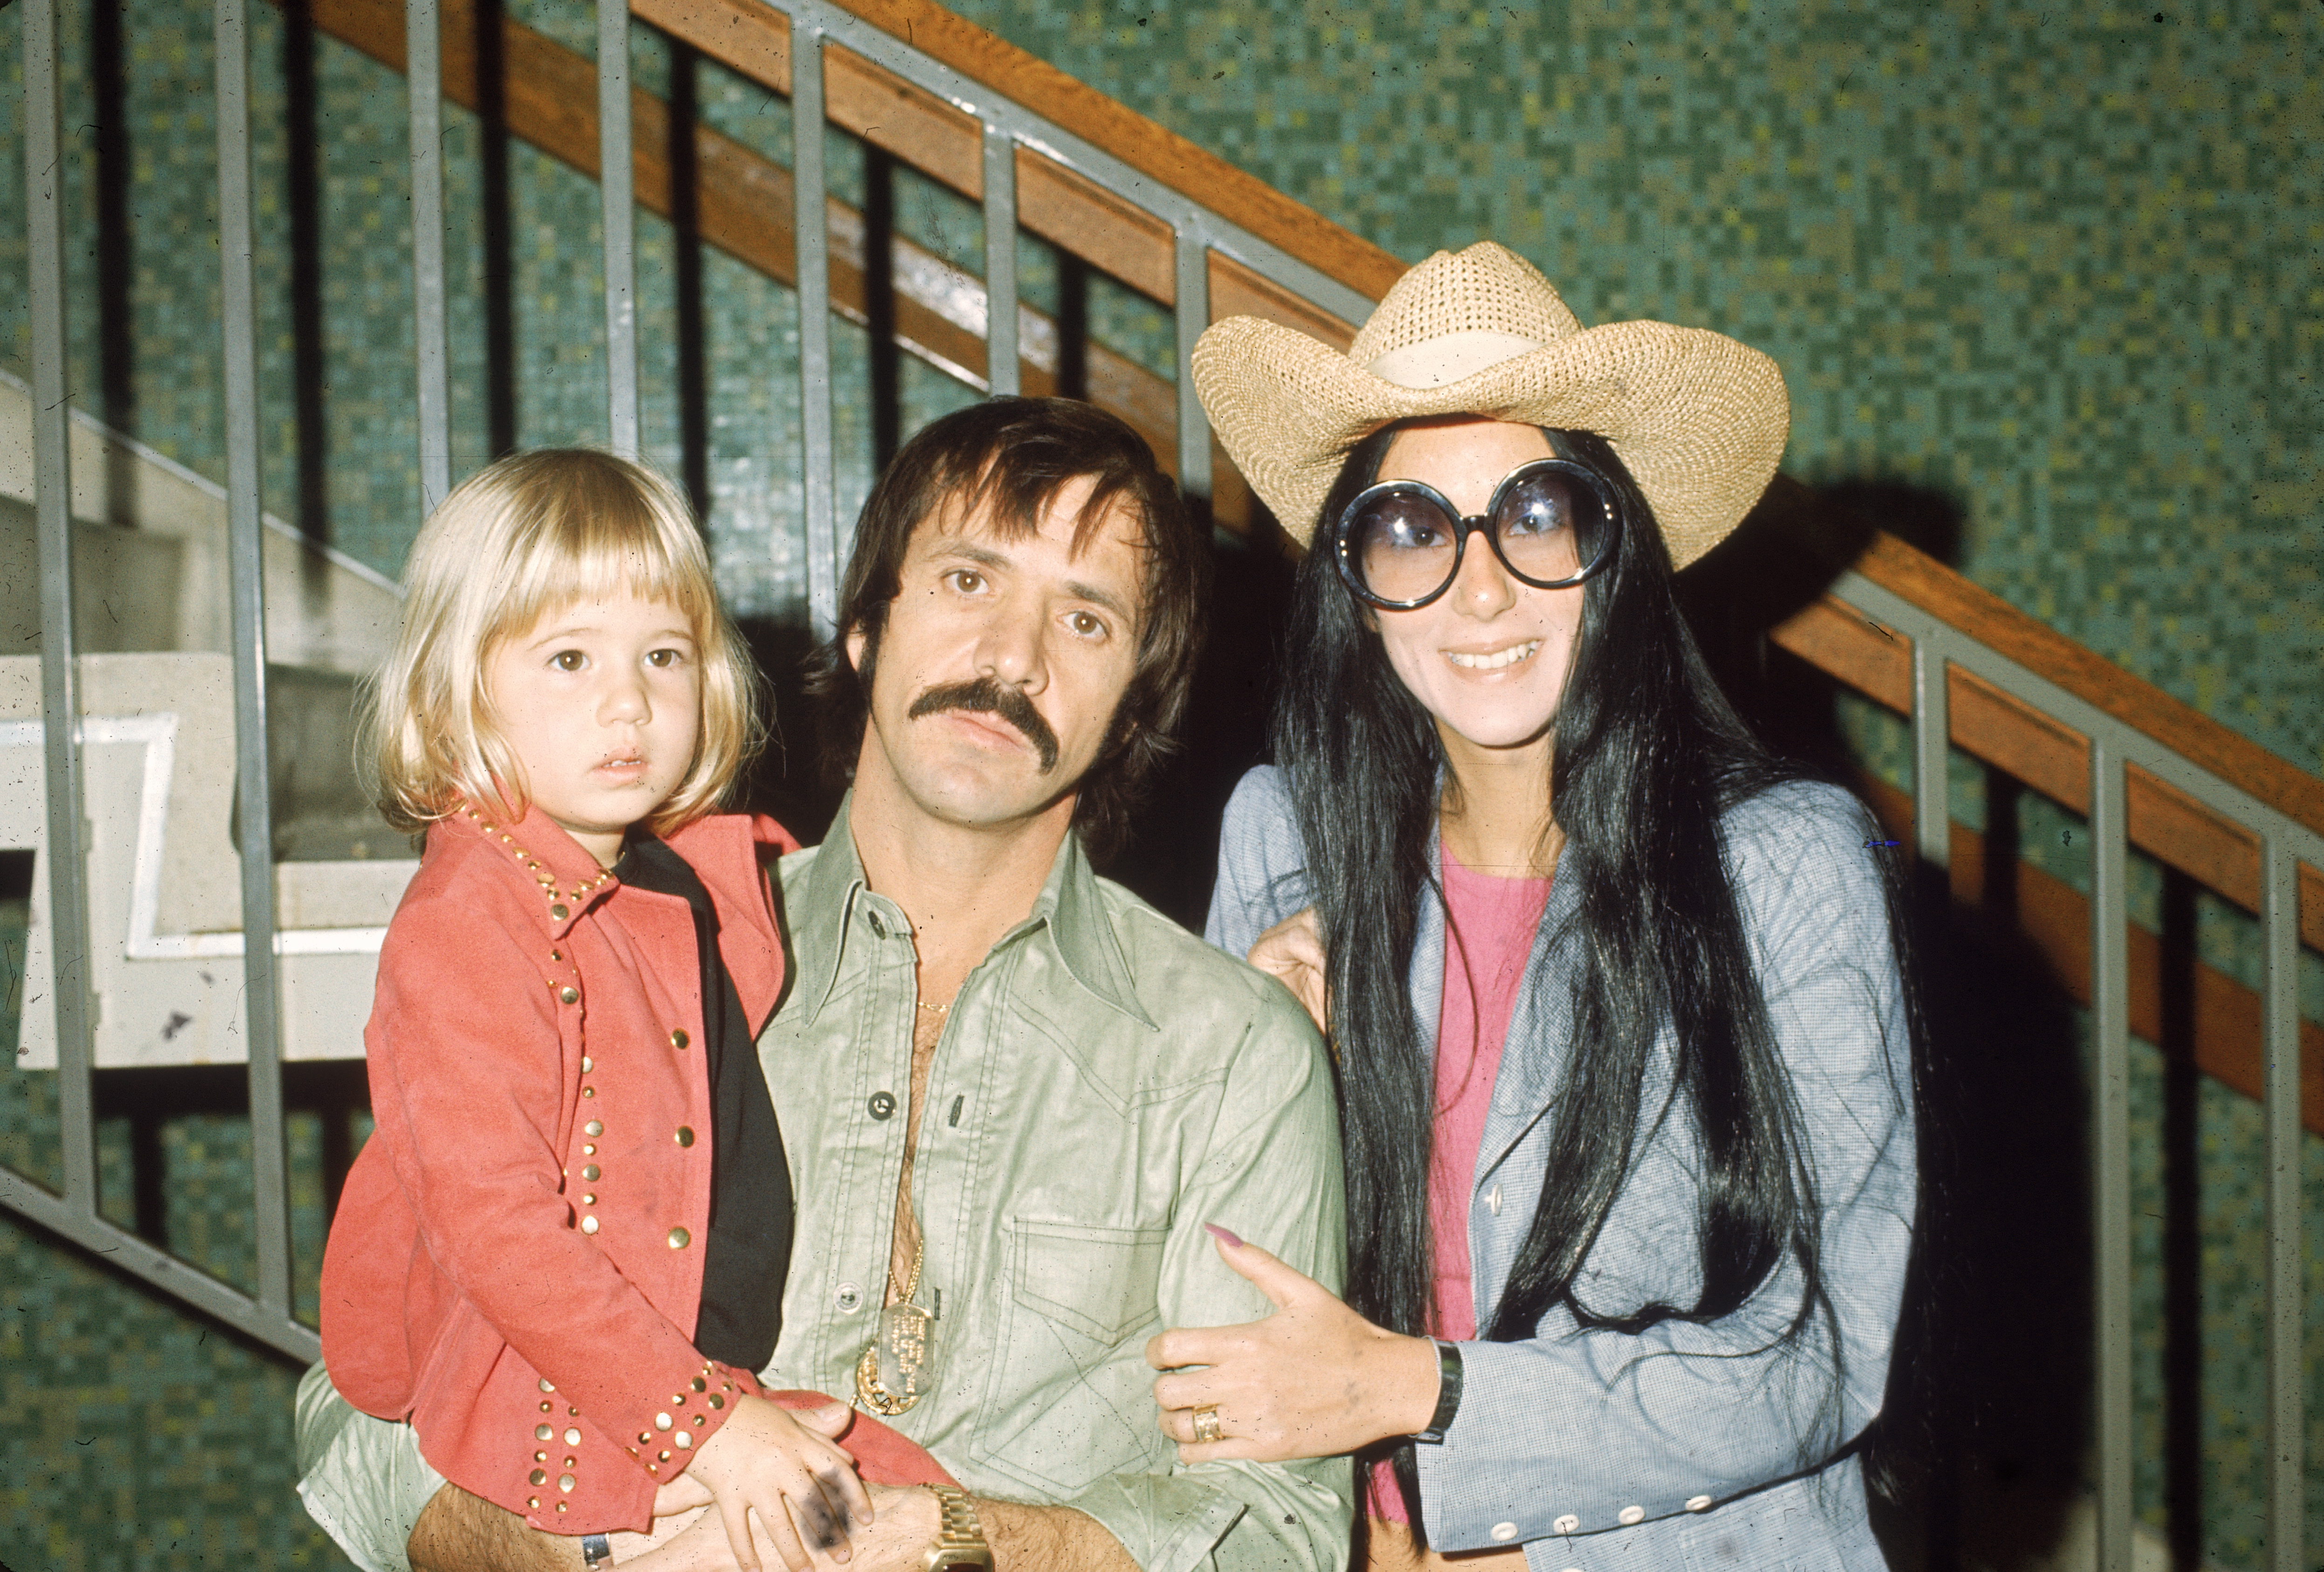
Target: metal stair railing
[[1207, 239], [2289, 850]]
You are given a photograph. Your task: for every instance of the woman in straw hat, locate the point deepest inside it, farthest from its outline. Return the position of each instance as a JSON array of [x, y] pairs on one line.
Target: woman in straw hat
[[1623, 1046]]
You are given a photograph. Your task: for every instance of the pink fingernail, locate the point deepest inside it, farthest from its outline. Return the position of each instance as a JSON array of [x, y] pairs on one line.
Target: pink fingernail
[[1224, 1236]]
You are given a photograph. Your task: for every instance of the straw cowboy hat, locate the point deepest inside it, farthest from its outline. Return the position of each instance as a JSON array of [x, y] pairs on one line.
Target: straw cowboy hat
[[1698, 418]]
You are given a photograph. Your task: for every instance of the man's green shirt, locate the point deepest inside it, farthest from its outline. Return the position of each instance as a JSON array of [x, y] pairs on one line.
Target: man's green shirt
[[1106, 1084]]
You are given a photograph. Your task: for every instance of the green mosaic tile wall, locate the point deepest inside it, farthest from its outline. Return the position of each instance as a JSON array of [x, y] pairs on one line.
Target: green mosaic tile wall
[[2057, 266]]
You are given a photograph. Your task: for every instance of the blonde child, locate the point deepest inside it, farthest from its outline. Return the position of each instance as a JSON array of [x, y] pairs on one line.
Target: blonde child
[[562, 1253]]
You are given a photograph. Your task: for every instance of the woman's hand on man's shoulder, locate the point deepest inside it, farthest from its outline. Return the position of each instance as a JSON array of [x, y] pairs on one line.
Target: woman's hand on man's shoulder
[[1292, 953]]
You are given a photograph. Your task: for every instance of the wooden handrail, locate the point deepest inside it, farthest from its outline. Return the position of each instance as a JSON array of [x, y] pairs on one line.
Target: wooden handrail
[[2050, 756], [2219, 854], [750, 220], [2055, 918], [1149, 148]]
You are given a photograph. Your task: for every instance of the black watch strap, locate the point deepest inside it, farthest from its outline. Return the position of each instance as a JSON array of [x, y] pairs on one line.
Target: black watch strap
[[1448, 1392]]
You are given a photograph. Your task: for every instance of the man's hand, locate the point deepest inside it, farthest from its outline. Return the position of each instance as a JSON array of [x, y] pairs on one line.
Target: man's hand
[[904, 1524], [1024, 1538], [1292, 953]]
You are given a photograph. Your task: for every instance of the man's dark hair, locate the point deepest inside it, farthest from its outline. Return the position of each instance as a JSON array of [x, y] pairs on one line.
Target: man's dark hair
[[1016, 454]]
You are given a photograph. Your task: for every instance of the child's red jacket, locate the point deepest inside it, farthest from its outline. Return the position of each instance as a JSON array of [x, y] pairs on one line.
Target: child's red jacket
[[516, 1262]]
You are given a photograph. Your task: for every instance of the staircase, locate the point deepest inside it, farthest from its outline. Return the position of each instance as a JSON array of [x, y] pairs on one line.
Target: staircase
[[1043, 153]]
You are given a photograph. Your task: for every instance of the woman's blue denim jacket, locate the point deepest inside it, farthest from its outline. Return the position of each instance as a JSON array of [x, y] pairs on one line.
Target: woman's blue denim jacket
[[1716, 1445]]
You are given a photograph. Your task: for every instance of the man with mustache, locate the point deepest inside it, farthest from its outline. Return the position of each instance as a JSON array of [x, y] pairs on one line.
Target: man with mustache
[[1018, 628]]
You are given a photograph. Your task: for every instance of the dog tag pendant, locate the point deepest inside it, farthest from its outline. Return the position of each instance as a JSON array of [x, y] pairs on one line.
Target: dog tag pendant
[[896, 1369]]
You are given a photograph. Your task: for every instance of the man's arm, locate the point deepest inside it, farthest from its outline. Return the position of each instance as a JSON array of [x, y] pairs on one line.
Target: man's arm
[[1039, 1539], [1024, 1538], [459, 1532], [1270, 1172]]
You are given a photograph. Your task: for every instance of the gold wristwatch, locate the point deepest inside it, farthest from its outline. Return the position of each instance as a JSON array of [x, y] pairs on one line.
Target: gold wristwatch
[[959, 1539]]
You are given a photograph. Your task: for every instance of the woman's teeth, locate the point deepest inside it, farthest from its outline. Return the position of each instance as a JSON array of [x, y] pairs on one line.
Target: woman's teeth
[[1495, 661]]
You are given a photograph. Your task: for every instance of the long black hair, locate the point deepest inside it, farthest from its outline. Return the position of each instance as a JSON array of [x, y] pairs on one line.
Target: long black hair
[[1647, 755]]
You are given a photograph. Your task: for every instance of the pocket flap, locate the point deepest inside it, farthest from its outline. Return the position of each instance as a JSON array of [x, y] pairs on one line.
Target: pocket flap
[[1101, 1282]]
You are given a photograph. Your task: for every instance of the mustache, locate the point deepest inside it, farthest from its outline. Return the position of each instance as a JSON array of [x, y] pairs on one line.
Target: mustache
[[988, 696]]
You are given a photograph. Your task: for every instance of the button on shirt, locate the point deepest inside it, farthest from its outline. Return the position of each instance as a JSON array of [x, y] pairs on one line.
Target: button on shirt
[[1105, 1084]]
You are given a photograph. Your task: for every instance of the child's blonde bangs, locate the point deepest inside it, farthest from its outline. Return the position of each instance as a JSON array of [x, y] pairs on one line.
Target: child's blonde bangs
[[524, 537]]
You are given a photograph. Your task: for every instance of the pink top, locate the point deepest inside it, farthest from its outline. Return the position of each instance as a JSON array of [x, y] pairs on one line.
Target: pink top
[[1489, 928]]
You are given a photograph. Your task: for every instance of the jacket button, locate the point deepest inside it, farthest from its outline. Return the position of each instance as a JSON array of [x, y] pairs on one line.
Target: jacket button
[[1568, 1524], [883, 1104], [1629, 1516], [570, 994], [1697, 1503], [684, 1136], [849, 1297], [594, 1127], [679, 1238], [678, 1039], [557, 913], [1505, 1533]]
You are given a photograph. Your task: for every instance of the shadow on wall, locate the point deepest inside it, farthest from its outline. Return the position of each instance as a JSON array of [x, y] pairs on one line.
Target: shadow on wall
[[1985, 1426]]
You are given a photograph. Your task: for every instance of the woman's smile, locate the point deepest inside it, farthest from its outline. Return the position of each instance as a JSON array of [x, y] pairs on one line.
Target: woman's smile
[[1498, 659]]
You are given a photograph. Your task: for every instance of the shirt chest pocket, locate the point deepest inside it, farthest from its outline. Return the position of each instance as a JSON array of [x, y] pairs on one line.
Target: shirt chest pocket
[[1099, 1282], [1066, 1401]]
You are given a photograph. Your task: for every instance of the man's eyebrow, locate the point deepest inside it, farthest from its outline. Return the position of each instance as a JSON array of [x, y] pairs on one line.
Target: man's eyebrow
[[1105, 598], [982, 555]]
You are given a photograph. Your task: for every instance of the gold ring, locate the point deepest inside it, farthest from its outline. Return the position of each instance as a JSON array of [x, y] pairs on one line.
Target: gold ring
[[1206, 1423]]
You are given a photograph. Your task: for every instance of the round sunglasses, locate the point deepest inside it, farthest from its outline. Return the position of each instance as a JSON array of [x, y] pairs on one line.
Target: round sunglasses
[[1552, 521]]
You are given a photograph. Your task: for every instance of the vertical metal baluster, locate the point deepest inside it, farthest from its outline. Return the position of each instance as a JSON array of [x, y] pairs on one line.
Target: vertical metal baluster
[[1932, 735], [616, 182], [825, 558], [1193, 308], [68, 937], [260, 1014], [423, 54], [2110, 1152], [1000, 261], [2280, 993]]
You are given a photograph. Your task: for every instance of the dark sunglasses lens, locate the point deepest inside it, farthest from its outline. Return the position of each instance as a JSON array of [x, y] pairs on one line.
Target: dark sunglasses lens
[[1402, 544], [1551, 527]]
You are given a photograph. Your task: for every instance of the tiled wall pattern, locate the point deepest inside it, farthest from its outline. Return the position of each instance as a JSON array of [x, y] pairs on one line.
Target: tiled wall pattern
[[2061, 265], [2057, 267]]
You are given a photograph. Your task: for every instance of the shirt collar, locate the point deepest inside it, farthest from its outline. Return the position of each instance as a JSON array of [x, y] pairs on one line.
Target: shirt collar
[[1070, 912], [538, 846]]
